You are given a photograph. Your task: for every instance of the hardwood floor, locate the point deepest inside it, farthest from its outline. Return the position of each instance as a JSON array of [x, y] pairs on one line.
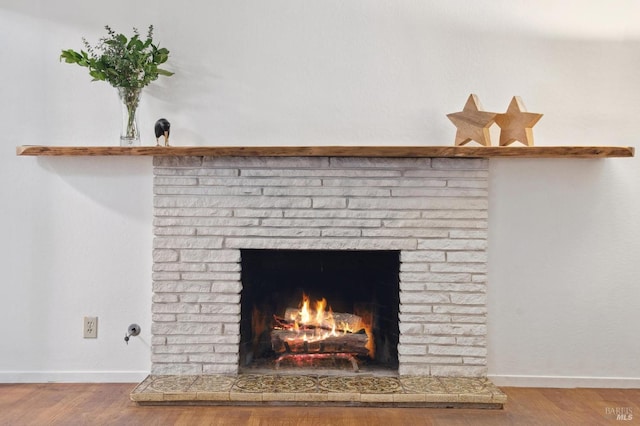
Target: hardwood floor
[[109, 404]]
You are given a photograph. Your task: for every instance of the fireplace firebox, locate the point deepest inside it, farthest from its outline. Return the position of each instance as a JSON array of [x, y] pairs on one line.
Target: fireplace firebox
[[304, 309]]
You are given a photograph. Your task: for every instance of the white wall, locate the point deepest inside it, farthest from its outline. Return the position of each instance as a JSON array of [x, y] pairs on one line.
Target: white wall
[[564, 234]]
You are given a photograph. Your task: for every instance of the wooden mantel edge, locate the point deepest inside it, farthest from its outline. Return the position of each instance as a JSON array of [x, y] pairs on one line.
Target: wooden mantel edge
[[335, 151]]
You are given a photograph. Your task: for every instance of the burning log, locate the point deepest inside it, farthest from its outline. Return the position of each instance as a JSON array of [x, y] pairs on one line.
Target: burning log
[[311, 357], [288, 336], [304, 331], [301, 342], [342, 321]]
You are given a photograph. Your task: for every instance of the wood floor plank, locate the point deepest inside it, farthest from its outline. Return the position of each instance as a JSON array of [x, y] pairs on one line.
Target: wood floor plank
[[109, 404]]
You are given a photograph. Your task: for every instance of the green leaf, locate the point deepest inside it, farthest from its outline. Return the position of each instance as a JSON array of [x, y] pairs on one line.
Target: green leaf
[[97, 75], [70, 56], [165, 72]]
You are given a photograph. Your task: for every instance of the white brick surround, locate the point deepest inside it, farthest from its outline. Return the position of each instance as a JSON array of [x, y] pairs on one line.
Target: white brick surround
[[208, 208]]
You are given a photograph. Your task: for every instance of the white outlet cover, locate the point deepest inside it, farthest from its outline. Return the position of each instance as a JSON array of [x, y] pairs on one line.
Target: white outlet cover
[[90, 327]]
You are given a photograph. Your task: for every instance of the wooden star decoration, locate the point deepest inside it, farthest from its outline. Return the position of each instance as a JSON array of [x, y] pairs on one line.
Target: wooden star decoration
[[516, 124], [472, 123]]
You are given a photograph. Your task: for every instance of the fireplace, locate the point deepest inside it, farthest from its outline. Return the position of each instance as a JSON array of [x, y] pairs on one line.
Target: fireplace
[[319, 309], [213, 213]]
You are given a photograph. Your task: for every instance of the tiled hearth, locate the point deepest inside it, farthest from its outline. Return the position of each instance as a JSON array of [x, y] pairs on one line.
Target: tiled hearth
[[433, 211], [408, 391]]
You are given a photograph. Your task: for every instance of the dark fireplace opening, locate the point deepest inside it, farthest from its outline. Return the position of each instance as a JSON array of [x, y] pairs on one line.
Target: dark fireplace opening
[[357, 326]]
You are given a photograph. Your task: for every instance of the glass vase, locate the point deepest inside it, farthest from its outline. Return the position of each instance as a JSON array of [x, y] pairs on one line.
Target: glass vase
[[129, 99]]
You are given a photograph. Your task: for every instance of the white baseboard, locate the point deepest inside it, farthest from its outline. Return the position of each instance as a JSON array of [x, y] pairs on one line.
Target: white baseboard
[[564, 381], [72, 376], [138, 376]]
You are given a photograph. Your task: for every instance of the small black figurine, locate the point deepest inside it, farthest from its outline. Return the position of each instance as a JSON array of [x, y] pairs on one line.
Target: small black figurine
[[162, 129]]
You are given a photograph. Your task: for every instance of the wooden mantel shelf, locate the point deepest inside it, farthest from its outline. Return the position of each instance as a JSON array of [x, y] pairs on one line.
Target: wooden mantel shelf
[[336, 151]]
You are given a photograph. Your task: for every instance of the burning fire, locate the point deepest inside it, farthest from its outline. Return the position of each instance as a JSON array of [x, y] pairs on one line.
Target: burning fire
[[314, 325]]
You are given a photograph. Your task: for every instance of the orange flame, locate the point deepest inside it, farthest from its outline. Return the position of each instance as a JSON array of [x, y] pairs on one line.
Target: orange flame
[[319, 324], [305, 315], [320, 305]]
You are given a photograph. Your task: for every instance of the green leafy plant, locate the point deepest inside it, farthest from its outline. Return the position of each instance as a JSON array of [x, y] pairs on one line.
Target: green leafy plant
[[121, 61], [128, 64]]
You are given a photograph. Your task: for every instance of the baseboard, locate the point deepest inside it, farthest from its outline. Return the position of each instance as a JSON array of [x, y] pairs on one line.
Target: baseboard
[[72, 376], [497, 379], [564, 381]]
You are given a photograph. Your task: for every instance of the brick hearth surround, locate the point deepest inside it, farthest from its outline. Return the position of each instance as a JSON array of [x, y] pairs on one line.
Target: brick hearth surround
[[433, 210]]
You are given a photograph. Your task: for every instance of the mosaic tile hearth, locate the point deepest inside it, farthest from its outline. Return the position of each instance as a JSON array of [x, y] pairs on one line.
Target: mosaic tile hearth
[[316, 389]]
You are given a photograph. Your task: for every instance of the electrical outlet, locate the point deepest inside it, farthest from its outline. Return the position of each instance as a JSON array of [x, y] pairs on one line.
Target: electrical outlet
[[90, 326]]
